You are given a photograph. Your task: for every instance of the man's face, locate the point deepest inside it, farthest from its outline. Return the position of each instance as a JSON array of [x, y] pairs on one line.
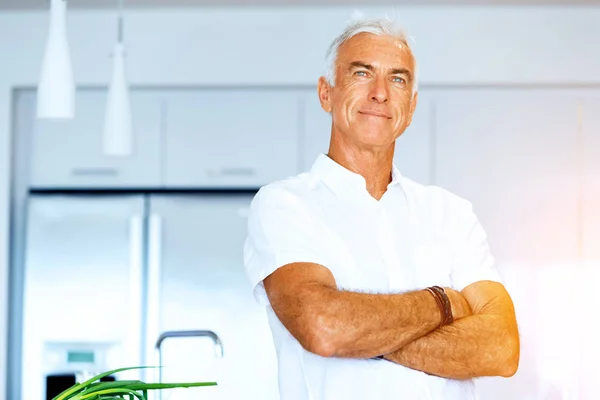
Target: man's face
[[372, 102]]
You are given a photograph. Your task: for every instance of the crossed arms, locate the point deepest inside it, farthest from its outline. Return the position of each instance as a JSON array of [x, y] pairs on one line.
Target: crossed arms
[[482, 341]]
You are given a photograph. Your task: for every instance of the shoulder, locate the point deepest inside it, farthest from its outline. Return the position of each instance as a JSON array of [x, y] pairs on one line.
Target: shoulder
[[286, 194]]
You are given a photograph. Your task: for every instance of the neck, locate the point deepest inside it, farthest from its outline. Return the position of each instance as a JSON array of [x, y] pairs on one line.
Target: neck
[[375, 165]]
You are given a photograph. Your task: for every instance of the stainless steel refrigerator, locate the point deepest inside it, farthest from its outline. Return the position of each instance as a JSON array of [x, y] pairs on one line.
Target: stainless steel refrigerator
[[107, 275]]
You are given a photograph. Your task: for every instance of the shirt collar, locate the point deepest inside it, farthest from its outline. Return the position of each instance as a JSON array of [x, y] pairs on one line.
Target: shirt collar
[[342, 181]]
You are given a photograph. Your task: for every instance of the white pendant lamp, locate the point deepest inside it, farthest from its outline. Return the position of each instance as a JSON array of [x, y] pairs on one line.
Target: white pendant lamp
[[118, 130], [56, 88]]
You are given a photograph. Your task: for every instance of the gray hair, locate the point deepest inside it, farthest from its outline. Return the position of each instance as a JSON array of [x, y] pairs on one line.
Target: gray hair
[[359, 24]]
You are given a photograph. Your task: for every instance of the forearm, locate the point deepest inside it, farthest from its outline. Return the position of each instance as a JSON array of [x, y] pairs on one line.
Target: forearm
[[479, 345], [362, 325]]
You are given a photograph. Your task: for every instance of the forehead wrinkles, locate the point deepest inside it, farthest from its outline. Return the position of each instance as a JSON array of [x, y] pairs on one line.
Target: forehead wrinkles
[[368, 46]]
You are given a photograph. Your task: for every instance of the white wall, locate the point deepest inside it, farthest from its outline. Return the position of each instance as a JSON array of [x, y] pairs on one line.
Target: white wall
[[267, 46]]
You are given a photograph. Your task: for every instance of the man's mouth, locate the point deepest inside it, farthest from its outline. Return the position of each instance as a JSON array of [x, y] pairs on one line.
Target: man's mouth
[[376, 114]]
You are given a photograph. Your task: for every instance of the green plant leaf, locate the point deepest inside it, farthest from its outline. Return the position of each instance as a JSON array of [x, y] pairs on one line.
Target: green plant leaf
[[96, 386], [78, 387], [120, 390], [139, 385], [155, 386]]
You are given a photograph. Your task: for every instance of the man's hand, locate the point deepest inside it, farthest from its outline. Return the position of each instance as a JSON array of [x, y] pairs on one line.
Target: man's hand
[[483, 344], [460, 306]]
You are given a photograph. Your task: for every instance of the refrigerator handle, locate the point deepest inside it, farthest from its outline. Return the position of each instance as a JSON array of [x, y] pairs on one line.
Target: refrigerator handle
[[153, 286], [136, 250]]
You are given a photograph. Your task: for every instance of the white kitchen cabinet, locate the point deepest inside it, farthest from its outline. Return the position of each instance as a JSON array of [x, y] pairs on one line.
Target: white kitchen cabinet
[[231, 137], [589, 273], [513, 154], [413, 148], [316, 129], [69, 154], [591, 177]]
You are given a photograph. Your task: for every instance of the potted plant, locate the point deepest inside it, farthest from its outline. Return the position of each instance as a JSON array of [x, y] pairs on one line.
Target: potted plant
[[93, 389]]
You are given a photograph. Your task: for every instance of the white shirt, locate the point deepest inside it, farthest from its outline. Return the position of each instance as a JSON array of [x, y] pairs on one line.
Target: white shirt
[[415, 236]]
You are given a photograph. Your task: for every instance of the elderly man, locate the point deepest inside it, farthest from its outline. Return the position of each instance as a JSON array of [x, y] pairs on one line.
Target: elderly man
[[376, 287]]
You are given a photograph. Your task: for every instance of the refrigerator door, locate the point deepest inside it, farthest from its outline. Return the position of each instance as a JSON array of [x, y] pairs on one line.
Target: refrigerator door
[[197, 283], [83, 286]]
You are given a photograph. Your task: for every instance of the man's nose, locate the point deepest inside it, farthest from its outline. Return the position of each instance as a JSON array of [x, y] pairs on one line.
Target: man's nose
[[379, 91]]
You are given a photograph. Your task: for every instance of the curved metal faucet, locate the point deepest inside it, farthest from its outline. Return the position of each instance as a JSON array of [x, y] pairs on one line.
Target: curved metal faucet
[[218, 345]]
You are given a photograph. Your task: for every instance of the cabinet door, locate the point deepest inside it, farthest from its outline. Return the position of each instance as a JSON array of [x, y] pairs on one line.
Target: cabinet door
[[231, 138], [590, 274], [591, 177], [197, 263], [316, 129], [69, 153], [412, 155], [513, 153]]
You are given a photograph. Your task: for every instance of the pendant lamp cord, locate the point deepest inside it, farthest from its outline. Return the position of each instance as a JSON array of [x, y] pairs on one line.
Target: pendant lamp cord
[[120, 5]]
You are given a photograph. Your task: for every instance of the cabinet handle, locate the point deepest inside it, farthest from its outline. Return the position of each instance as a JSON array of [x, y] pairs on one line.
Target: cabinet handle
[[94, 172], [231, 172]]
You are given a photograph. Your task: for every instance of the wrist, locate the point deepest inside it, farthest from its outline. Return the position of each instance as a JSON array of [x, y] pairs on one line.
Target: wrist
[[444, 305]]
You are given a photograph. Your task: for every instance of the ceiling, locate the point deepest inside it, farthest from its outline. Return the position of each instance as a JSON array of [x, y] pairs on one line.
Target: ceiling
[[37, 4]]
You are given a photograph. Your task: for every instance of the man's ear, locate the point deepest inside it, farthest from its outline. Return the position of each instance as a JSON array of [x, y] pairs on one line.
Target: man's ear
[[324, 91]]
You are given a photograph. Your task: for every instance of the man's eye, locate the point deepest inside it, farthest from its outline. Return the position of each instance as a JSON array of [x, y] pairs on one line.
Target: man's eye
[[360, 73], [399, 79]]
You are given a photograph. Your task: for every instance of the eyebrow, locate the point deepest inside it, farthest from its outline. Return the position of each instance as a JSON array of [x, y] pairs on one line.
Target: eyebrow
[[400, 71], [360, 64], [395, 71]]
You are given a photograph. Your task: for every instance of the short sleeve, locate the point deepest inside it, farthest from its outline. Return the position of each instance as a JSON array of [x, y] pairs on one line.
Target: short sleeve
[[281, 231], [473, 260]]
